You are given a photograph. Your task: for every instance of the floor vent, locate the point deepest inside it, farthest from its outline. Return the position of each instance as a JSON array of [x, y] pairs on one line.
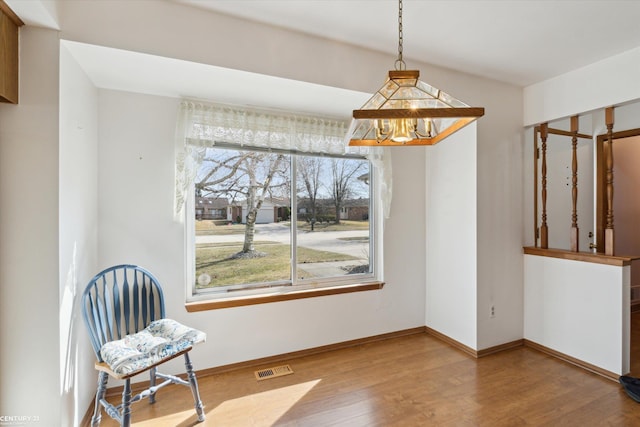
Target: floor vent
[[278, 371]]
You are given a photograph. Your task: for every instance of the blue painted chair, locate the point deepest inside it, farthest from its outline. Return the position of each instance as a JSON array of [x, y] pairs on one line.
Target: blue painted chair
[[123, 309]]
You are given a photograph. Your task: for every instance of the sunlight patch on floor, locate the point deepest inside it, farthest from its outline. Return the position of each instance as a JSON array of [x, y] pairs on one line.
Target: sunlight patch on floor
[[184, 418], [261, 409], [255, 410]]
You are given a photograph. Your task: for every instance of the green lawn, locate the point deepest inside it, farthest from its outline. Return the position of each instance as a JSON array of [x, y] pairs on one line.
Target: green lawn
[[208, 227], [216, 260]]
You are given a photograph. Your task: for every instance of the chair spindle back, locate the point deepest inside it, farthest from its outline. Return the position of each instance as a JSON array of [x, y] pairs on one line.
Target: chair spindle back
[[118, 301]]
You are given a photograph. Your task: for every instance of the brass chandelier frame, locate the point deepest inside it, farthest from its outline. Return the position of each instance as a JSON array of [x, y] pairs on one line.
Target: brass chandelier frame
[[407, 111]]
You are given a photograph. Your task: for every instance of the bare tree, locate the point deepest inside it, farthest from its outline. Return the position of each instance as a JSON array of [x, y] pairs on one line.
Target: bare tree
[[217, 171], [309, 169], [257, 190], [343, 172], [244, 176]]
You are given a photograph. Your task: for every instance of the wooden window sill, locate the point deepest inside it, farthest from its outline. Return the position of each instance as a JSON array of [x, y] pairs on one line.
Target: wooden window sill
[[216, 304]]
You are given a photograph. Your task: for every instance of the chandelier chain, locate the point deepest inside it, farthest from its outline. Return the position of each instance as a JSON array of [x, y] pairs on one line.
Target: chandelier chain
[[400, 65]]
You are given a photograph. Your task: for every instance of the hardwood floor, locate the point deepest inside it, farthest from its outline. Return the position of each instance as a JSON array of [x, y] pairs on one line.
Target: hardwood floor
[[415, 380]]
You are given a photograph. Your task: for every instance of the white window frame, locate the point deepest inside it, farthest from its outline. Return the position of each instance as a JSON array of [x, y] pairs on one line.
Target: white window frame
[[294, 285]]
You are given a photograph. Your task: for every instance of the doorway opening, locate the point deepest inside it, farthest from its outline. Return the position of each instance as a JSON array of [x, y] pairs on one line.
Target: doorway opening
[[626, 209]]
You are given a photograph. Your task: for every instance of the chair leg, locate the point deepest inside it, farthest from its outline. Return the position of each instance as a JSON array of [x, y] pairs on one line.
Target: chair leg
[[152, 383], [102, 388], [126, 404], [194, 387]]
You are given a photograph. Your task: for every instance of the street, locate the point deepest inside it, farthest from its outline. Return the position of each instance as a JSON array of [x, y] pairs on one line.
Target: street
[[330, 241]]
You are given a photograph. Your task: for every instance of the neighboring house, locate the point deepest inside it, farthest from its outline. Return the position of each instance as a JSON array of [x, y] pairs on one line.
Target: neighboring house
[[234, 213], [211, 208], [266, 213], [324, 209], [352, 209], [282, 208], [273, 209], [217, 208], [355, 210]]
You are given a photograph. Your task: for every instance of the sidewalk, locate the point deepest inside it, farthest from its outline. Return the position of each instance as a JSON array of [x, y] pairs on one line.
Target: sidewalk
[[328, 269]]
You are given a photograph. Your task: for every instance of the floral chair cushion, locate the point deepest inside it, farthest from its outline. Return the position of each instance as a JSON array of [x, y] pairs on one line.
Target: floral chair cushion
[[161, 339]]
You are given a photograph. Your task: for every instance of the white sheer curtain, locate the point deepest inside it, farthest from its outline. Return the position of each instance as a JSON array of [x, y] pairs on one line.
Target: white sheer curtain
[[200, 125]]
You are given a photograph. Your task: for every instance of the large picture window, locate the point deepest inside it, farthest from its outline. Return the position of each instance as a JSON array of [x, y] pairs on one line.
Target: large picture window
[[274, 201], [288, 220]]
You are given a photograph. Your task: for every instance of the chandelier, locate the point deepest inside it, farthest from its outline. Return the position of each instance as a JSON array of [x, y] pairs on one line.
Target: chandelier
[[407, 111]]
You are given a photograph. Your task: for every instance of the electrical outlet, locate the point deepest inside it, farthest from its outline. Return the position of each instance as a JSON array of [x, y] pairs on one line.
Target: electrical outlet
[[493, 311]]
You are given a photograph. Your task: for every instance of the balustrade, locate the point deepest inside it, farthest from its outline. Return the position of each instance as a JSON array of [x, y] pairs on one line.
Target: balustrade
[[541, 153]]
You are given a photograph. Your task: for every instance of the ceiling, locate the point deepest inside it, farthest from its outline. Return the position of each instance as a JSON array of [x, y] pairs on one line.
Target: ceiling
[[516, 41], [128, 71]]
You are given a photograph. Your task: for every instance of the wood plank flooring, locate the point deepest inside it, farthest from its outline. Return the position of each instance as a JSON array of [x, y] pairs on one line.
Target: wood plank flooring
[[415, 380]]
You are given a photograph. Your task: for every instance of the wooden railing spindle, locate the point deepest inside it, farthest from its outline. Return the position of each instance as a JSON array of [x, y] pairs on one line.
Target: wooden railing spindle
[[608, 231], [536, 156], [574, 185], [544, 229]]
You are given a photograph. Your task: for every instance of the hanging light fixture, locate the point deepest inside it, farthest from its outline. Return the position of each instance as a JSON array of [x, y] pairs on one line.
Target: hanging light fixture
[[407, 111]]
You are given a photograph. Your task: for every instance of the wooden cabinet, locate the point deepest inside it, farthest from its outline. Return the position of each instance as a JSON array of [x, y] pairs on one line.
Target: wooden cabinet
[[9, 54]]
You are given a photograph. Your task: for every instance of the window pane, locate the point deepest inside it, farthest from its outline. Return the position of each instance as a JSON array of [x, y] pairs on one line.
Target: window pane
[[333, 230], [242, 228]]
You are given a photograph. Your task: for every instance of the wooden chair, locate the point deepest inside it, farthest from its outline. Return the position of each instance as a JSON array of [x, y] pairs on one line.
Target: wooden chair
[[123, 309]]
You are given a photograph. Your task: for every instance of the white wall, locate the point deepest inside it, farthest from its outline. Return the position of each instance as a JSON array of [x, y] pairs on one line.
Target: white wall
[[498, 131], [579, 309], [29, 262], [559, 187], [495, 162], [451, 236], [135, 179], [78, 203], [604, 295], [499, 217], [136, 189], [611, 81], [626, 116], [183, 32]]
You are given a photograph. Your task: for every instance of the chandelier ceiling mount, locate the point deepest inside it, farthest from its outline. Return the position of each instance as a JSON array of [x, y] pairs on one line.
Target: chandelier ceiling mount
[[406, 111]]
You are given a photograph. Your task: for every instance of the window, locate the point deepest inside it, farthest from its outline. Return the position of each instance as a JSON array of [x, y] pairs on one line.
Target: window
[[285, 220], [274, 202]]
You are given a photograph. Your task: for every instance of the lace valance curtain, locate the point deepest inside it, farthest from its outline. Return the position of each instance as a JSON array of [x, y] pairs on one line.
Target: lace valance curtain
[[201, 125]]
